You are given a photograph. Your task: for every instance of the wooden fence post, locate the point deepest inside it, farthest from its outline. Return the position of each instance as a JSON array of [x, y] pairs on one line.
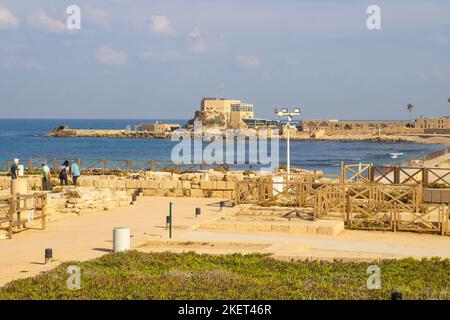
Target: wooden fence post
[[371, 173], [12, 210], [342, 172], [425, 177], [396, 175], [44, 211], [236, 190]]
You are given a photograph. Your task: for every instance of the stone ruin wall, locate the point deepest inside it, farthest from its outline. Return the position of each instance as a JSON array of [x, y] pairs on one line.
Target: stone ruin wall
[[105, 192]]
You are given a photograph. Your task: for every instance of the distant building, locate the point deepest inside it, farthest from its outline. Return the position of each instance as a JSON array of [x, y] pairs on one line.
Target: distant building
[[433, 123], [340, 127], [240, 112], [233, 111], [261, 123], [159, 127]]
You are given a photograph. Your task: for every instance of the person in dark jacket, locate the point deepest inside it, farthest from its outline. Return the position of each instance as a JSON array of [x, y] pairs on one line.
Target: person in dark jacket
[[64, 173], [15, 169]]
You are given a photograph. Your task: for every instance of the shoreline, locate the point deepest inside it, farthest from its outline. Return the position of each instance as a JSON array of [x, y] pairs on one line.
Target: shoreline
[[117, 134]]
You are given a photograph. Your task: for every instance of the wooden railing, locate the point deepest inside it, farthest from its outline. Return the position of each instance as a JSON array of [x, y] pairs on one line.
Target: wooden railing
[[369, 173], [360, 205], [14, 207], [109, 166]]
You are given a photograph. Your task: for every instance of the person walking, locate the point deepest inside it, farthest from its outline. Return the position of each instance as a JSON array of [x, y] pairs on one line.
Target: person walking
[[15, 169], [46, 177], [63, 173], [75, 172]]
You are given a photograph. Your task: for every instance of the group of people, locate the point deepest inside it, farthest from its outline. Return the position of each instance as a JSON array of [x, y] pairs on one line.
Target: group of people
[[67, 169]]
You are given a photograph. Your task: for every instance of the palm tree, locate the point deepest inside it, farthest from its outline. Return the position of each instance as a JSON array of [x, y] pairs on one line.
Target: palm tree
[[410, 108]]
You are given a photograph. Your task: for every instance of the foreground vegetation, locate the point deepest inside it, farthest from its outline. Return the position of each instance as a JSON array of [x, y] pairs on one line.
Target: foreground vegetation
[[137, 275]]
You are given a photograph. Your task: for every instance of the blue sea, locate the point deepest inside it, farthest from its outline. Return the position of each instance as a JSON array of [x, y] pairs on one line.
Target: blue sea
[[26, 139]]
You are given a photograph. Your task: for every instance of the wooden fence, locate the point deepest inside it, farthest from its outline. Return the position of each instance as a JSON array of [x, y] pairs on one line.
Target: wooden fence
[[108, 166], [14, 208], [368, 173], [360, 205]]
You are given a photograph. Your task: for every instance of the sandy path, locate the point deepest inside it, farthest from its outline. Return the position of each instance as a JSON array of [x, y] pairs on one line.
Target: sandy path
[[350, 244], [90, 236]]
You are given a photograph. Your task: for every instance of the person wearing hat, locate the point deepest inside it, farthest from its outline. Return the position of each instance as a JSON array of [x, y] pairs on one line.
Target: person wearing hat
[[15, 169], [63, 173], [46, 176]]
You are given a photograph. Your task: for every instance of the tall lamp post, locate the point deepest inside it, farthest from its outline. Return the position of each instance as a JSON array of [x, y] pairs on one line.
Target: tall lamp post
[[284, 112]]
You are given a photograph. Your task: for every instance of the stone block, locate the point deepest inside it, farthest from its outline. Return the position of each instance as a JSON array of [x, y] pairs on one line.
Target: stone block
[[197, 193]]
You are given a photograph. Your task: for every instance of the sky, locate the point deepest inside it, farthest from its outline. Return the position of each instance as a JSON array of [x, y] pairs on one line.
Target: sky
[[148, 59]]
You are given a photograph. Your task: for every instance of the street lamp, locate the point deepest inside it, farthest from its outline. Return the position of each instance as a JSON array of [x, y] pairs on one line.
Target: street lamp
[[284, 112]]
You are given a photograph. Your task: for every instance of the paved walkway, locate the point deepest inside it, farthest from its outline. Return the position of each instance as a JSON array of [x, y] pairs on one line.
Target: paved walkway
[[86, 237], [90, 236], [350, 244]]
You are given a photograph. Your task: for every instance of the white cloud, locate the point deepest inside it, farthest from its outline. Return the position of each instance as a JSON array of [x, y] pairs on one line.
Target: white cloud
[[41, 20], [161, 56], [107, 55], [98, 16], [440, 39], [248, 61], [13, 62], [198, 43], [293, 62], [160, 25], [7, 18]]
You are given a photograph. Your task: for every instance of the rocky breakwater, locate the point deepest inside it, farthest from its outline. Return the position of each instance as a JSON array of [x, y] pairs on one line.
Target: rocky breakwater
[[105, 133]]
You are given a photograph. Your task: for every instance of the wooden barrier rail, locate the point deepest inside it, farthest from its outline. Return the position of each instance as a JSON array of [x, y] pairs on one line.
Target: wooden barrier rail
[[361, 205], [109, 166], [13, 207], [369, 173]]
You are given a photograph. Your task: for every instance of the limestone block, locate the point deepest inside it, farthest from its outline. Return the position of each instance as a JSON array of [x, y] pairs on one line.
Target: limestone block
[[168, 184], [220, 185], [149, 184], [216, 194], [120, 185], [161, 192], [132, 184], [149, 192], [186, 184], [197, 193], [243, 227], [230, 185], [206, 185]]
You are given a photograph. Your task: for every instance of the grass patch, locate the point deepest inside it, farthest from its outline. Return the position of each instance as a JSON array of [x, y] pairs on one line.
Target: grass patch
[[137, 275]]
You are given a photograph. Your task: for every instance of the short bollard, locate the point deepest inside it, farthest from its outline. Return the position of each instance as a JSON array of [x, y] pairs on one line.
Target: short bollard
[[396, 295], [133, 199], [48, 255], [121, 239], [222, 204], [198, 211]]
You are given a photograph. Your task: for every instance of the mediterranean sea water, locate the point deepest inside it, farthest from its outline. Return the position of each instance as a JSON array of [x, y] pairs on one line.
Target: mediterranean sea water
[[26, 139]]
